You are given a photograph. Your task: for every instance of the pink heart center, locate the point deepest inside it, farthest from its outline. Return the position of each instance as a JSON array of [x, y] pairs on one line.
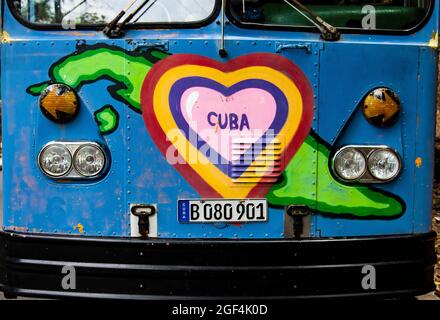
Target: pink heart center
[[220, 121]]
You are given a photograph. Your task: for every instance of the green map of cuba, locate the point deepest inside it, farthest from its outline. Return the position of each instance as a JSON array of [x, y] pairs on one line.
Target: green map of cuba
[[307, 180]]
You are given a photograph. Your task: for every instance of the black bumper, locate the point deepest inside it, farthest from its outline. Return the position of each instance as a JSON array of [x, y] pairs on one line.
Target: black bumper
[[31, 265]]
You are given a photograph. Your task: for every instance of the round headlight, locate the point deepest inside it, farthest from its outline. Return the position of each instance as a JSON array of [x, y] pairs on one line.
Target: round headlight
[[350, 164], [55, 160], [384, 164], [89, 160]]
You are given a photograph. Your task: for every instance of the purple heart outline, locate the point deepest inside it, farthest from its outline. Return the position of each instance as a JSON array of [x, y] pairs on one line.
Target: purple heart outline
[[182, 85]]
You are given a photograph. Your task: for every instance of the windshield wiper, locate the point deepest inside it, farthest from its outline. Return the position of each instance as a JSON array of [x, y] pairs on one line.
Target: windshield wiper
[[114, 28], [328, 32]]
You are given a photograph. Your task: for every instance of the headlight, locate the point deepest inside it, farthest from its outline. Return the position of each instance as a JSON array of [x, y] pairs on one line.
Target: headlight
[[349, 164], [55, 160], [366, 164], [384, 164], [89, 160]]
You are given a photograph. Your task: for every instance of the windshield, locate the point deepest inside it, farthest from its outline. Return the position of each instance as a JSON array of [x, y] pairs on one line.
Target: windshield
[[92, 12], [358, 14]]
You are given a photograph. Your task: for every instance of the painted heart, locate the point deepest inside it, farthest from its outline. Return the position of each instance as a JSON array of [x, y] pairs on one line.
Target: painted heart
[[211, 113], [220, 124], [220, 116]]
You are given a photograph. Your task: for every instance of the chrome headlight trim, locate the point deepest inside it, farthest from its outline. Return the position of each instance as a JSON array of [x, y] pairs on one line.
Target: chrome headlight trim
[[73, 147], [367, 151], [399, 161], [97, 146], [343, 150], [53, 175]]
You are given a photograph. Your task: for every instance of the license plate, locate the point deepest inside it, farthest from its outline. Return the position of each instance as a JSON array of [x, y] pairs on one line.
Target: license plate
[[222, 211]]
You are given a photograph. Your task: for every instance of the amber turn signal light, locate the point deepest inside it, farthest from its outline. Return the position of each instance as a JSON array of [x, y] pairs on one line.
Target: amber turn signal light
[[381, 107], [59, 103]]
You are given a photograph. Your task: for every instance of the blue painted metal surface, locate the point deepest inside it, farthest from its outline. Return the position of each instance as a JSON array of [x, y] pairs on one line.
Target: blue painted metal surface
[[341, 74]]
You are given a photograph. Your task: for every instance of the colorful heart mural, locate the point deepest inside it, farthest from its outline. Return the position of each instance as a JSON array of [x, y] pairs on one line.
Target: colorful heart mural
[[127, 71], [199, 108]]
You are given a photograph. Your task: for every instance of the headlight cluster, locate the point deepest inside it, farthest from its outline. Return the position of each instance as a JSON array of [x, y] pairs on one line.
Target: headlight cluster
[[366, 164], [72, 160]]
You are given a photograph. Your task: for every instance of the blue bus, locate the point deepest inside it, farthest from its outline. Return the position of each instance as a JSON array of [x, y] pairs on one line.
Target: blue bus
[[138, 163]]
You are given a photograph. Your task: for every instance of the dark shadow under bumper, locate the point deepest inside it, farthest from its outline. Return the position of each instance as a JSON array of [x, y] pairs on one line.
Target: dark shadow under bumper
[[31, 265]]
